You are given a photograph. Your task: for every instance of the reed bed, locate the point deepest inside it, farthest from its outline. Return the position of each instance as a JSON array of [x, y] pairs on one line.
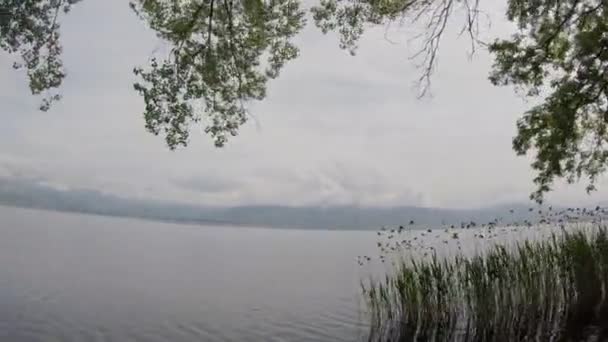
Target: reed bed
[[547, 290]]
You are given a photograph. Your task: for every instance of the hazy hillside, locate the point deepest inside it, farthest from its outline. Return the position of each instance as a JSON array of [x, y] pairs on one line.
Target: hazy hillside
[[31, 195]]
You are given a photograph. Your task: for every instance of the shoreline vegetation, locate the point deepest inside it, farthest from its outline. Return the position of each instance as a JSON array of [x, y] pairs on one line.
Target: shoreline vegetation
[[547, 289]]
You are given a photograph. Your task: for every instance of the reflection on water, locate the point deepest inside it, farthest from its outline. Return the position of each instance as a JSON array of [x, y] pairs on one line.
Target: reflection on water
[[69, 277]]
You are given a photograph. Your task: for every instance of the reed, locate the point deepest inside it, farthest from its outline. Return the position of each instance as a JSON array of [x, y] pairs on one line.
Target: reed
[[548, 290]]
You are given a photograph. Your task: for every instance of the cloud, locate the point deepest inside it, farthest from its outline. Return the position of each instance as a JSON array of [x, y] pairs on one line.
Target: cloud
[[206, 185]]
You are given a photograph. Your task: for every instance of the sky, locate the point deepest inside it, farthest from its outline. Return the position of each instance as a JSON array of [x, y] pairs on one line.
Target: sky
[[334, 130]]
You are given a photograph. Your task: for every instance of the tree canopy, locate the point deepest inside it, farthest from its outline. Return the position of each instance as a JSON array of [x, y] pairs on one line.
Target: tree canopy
[[224, 52], [31, 30]]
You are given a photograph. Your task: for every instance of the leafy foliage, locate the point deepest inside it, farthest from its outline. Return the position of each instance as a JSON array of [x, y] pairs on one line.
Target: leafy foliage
[[31, 30], [224, 52], [561, 54]]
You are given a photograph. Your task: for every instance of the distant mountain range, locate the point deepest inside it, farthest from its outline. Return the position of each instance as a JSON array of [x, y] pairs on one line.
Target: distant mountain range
[[33, 195]]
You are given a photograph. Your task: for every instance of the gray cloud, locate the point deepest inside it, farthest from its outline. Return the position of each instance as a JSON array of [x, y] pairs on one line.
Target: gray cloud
[[205, 185]]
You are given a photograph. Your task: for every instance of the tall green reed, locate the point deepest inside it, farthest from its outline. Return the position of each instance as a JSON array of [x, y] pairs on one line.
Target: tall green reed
[[547, 290]]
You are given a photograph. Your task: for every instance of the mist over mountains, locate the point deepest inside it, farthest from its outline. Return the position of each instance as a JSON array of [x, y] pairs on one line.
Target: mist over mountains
[[29, 194]]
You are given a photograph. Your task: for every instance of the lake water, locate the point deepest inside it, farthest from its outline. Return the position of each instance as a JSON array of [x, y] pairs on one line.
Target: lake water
[[70, 277]]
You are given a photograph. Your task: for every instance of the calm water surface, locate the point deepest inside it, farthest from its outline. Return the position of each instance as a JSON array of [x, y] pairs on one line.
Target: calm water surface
[[69, 277]]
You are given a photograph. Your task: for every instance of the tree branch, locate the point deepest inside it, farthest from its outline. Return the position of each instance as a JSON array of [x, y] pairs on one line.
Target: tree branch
[[228, 9]]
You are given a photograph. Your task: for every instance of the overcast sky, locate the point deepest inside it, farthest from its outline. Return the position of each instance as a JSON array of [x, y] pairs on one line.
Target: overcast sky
[[334, 129]]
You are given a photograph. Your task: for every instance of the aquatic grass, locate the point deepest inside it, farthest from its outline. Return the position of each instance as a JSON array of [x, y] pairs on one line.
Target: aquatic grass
[[547, 290]]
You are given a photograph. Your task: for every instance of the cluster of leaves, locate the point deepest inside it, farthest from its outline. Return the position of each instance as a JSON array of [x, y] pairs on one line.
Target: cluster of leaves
[[224, 52], [30, 28], [561, 54]]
